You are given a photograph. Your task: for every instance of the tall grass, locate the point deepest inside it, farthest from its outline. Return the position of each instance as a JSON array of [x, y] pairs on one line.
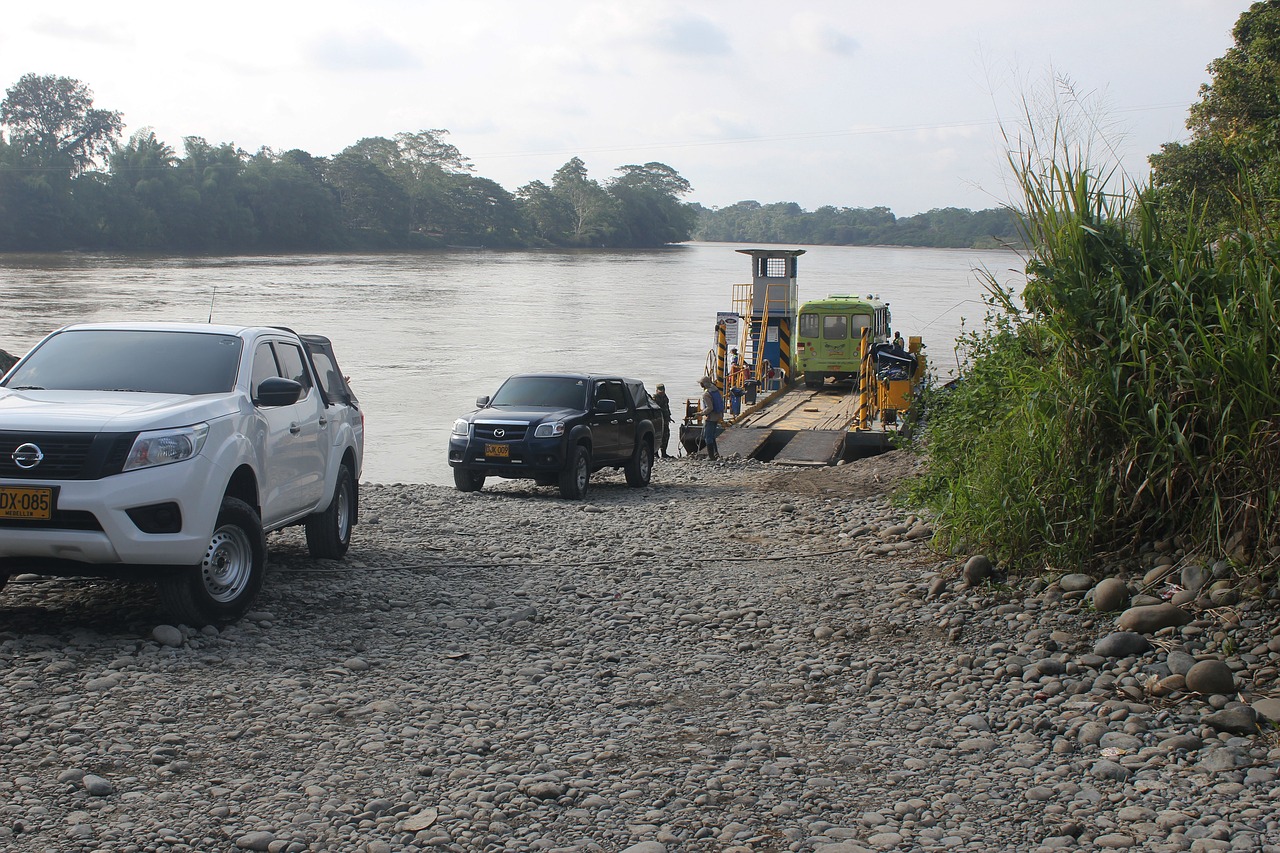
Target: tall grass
[[1137, 395]]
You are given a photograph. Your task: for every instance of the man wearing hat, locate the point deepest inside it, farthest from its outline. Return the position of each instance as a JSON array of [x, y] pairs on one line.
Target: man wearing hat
[[663, 429], [711, 408]]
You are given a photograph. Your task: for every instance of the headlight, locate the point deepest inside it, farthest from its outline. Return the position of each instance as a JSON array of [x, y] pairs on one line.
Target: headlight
[[549, 430], [461, 427], [163, 447]]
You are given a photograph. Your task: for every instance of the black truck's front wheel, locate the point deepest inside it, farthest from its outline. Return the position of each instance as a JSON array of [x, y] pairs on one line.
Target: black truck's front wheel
[[467, 481], [576, 475]]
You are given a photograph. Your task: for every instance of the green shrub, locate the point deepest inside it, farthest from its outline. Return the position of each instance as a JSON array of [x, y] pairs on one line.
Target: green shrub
[[1136, 394]]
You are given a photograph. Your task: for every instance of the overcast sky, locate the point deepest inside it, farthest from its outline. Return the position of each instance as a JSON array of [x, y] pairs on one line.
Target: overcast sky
[[844, 102]]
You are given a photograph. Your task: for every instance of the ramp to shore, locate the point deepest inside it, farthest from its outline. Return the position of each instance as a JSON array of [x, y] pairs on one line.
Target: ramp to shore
[[801, 426]]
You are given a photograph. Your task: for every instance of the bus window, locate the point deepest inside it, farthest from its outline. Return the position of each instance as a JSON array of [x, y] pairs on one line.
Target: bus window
[[835, 327], [809, 325], [860, 322]]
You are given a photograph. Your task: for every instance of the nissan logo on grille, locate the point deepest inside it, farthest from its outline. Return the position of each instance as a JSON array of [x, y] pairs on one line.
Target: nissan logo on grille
[[27, 456], [499, 432]]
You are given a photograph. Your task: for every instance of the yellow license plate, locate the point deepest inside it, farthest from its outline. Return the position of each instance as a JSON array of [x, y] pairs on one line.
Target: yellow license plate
[[34, 502], [502, 450]]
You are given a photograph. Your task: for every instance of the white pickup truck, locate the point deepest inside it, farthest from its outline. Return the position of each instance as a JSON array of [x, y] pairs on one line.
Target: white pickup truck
[[169, 451]]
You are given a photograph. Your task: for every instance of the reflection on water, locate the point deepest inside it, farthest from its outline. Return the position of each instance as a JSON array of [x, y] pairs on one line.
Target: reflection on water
[[423, 335]]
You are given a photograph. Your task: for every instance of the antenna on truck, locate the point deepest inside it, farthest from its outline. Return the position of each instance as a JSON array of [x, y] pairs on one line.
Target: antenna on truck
[[211, 298]]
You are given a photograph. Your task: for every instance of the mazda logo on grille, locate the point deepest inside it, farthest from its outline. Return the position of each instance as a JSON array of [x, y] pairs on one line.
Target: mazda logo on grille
[[499, 432], [27, 456]]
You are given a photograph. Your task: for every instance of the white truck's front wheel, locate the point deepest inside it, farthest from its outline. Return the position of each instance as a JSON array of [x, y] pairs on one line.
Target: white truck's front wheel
[[223, 587]]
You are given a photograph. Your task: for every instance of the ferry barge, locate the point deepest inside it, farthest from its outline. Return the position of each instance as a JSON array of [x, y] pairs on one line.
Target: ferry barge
[[841, 388]]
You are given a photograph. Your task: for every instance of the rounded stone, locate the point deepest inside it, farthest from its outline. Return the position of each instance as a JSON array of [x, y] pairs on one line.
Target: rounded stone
[[97, 786], [1194, 577], [167, 635], [260, 841], [1122, 644], [977, 569], [1179, 663], [1211, 676], [1110, 595], [1237, 720], [1151, 618], [1075, 582]]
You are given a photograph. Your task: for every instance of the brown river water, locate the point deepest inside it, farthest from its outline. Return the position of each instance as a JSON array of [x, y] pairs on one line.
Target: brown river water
[[423, 335]]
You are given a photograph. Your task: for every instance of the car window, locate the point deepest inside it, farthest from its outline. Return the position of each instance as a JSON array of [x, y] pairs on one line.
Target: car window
[[612, 390], [264, 366], [327, 373], [155, 361], [290, 358], [555, 392]]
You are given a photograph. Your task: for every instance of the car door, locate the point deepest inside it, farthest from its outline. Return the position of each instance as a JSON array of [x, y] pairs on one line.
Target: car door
[[340, 403], [311, 435], [293, 444], [606, 426]]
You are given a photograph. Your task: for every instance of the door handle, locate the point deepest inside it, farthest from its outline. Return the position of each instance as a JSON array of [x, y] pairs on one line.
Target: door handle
[[295, 428]]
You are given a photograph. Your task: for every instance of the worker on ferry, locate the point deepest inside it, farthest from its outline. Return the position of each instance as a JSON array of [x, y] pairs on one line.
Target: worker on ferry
[[737, 370]]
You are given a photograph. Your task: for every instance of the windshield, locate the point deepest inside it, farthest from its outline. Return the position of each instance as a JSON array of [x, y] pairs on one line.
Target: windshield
[[161, 362], [553, 392]]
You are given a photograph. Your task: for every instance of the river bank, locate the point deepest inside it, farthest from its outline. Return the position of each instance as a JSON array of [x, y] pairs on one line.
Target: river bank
[[738, 658]]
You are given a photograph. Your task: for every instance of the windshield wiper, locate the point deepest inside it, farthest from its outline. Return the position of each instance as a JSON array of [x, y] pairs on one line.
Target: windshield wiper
[[27, 388]]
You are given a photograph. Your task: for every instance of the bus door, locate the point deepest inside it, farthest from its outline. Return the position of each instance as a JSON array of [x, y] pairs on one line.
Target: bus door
[[833, 350]]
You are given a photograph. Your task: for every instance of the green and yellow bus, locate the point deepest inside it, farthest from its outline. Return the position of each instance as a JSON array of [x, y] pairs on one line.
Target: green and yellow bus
[[830, 333]]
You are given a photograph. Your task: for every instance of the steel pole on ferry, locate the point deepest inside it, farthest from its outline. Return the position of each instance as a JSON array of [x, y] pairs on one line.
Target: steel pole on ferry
[[784, 348], [864, 380], [722, 353]]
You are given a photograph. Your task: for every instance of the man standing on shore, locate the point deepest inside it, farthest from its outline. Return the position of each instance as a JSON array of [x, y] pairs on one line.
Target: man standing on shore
[[664, 429]]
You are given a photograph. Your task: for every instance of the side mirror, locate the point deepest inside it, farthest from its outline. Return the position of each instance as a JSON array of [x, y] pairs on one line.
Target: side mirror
[[606, 407], [278, 391], [481, 402]]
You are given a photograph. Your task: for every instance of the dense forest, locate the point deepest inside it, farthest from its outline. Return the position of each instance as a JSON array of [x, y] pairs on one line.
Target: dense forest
[[69, 181], [787, 222]]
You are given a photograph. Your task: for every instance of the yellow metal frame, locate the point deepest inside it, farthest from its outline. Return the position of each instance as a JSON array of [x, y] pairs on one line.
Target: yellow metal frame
[[875, 396]]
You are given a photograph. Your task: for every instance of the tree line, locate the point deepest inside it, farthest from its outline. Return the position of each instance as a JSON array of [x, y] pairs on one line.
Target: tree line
[[787, 222], [69, 181]]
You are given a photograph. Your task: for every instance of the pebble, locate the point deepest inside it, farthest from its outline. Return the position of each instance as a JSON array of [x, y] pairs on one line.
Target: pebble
[[685, 667]]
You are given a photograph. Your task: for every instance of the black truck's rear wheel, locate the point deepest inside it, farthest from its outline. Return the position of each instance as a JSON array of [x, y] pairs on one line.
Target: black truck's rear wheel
[[640, 468]]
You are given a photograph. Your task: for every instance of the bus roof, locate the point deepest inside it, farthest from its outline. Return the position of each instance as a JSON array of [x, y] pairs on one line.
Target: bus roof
[[836, 303]]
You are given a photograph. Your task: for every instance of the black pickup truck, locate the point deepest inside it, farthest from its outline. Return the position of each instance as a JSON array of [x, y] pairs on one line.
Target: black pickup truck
[[556, 429]]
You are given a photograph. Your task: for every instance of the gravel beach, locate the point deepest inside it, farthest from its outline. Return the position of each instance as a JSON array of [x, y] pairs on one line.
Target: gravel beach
[[738, 658]]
